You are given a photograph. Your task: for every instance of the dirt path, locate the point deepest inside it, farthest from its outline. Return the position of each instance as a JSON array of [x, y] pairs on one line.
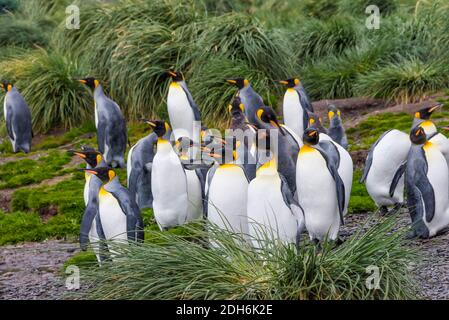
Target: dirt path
[[32, 270]]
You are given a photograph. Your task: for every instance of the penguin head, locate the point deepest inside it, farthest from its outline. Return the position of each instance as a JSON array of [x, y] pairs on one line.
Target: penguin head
[[426, 113], [267, 115], [238, 82], [106, 174], [176, 75], [91, 82], [90, 155], [315, 122], [236, 106], [311, 136], [159, 127], [290, 83], [6, 85], [183, 145], [418, 135], [333, 112]]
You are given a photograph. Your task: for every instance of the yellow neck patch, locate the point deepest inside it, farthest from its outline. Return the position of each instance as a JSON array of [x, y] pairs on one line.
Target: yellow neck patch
[[103, 192], [306, 149], [174, 84], [428, 145], [268, 167]]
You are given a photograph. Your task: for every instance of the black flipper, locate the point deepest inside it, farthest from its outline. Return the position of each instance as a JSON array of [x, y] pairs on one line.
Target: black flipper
[[101, 135], [9, 122], [193, 105], [369, 159], [86, 224], [339, 185], [133, 181], [210, 176], [397, 176]]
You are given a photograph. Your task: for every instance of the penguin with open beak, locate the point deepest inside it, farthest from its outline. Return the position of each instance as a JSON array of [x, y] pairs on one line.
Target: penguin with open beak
[[112, 135], [249, 97], [17, 118]]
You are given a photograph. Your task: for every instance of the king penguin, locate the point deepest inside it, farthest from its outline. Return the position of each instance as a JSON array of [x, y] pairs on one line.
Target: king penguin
[[112, 135], [272, 208], [384, 169], [91, 228], [321, 192], [140, 160], [336, 130], [296, 106], [427, 182], [119, 214], [17, 119], [287, 146], [341, 156], [250, 98], [183, 112]]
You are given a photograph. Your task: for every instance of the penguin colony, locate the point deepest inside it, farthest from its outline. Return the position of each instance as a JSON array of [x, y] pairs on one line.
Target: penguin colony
[[264, 177]]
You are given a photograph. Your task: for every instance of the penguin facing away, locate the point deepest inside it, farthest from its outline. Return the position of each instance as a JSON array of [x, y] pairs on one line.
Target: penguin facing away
[[336, 130], [168, 181], [140, 159], [272, 208], [427, 182], [384, 170], [112, 135], [250, 98], [182, 109], [119, 214], [321, 191], [296, 106], [17, 118]]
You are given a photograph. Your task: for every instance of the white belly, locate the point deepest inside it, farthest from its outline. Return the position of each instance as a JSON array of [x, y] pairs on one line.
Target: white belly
[[169, 188], [438, 176], [129, 166], [227, 200], [195, 197], [180, 113], [442, 143], [345, 170], [86, 189], [388, 155], [96, 116], [94, 239], [113, 219], [293, 112], [268, 215], [317, 195]]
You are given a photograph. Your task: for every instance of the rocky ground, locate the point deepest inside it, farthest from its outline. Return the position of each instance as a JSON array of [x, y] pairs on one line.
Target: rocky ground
[[33, 270]]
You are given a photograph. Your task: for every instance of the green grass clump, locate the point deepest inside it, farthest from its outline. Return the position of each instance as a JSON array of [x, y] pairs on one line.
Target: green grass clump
[[181, 269], [46, 80], [25, 172], [360, 201], [20, 227], [20, 33]]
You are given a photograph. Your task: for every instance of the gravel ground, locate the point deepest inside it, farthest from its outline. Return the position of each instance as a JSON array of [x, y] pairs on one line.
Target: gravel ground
[[32, 271]]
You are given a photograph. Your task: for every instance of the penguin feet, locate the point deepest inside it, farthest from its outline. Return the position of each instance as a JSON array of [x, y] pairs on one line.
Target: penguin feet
[[411, 235], [397, 207], [383, 211], [339, 241]]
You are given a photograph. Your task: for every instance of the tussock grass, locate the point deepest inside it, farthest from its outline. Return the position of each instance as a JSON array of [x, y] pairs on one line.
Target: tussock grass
[[20, 33], [182, 269]]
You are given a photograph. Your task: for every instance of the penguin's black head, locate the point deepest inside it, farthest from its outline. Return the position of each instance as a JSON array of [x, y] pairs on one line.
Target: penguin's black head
[[311, 136], [238, 82], [91, 82], [106, 174], [290, 83], [6, 85], [418, 135], [236, 106], [159, 127], [426, 113], [90, 155], [333, 112], [267, 115], [183, 145], [176, 75]]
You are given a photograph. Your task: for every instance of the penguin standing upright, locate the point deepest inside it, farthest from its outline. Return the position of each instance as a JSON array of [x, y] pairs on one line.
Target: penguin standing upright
[[287, 147], [427, 182], [384, 169], [296, 106], [17, 118], [321, 191], [336, 130], [119, 214], [272, 207], [250, 98], [140, 158], [168, 181], [182, 109], [91, 228], [227, 190], [112, 135]]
